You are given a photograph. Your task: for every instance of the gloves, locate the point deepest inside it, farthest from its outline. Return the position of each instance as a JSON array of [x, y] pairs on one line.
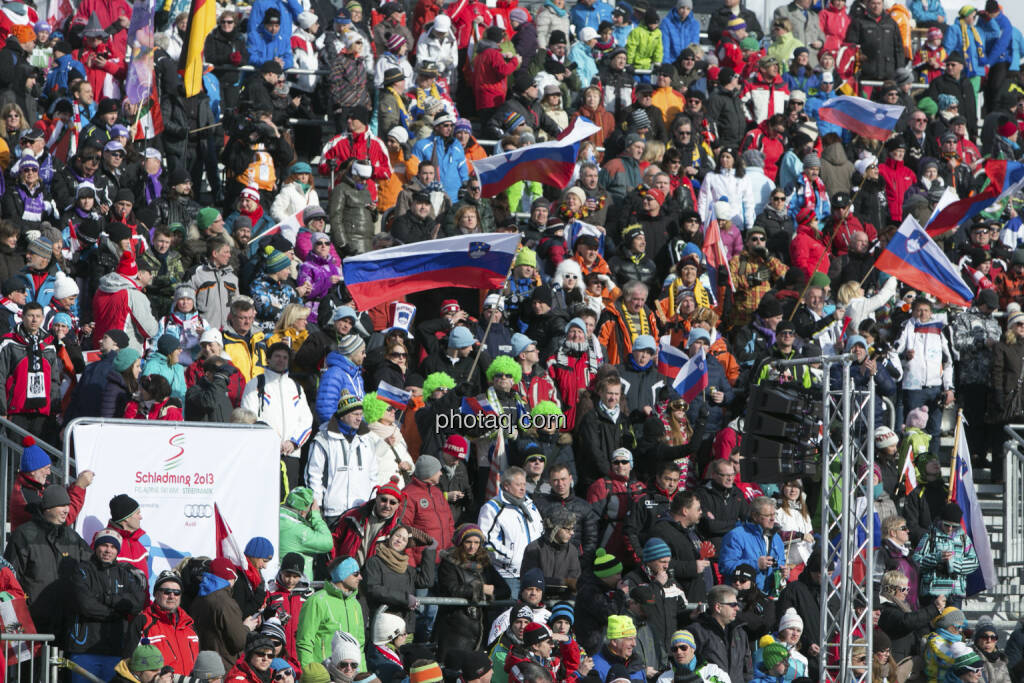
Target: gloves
[[707, 550], [413, 602], [236, 58], [703, 411]]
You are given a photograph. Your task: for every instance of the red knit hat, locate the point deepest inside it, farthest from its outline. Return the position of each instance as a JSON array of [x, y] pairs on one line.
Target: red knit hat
[[457, 447], [391, 489], [223, 568], [450, 306], [127, 266], [805, 215], [1007, 128], [658, 195]]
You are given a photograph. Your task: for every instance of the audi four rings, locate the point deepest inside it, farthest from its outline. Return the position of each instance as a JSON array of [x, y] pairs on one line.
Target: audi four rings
[[198, 511]]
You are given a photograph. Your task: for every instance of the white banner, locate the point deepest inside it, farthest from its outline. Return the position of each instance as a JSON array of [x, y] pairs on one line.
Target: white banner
[[177, 472]]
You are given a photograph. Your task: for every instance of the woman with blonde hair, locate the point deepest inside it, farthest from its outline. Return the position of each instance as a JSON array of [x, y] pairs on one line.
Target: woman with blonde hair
[[860, 306], [297, 192], [905, 626], [14, 124], [467, 220], [794, 520], [654, 152], [291, 327]]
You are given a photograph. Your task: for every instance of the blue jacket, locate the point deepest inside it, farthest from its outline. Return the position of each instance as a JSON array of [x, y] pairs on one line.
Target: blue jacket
[[57, 78], [744, 544], [603, 663], [927, 10], [451, 162], [1018, 50], [42, 295], [716, 415], [677, 35], [340, 374], [621, 34], [581, 16], [954, 42], [263, 47], [822, 207], [584, 60], [998, 37], [174, 374], [290, 11]]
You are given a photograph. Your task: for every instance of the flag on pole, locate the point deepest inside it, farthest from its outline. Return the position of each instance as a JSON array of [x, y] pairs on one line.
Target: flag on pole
[[1004, 179], [865, 118], [480, 261], [693, 378], [288, 228], [966, 496], [227, 546], [909, 472], [202, 18], [670, 359], [914, 258], [393, 396], [714, 252], [473, 405]]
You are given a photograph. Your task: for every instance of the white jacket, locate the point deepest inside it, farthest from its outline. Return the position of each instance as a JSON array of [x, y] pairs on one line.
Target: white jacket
[[508, 531], [283, 406], [342, 473], [932, 364], [290, 200], [725, 186], [390, 61], [444, 52], [304, 55], [386, 454]]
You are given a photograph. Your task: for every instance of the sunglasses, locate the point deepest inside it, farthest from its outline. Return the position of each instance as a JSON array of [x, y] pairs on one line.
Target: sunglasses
[[387, 501], [780, 198], [90, 158], [988, 637], [757, 238], [398, 355], [570, 276], [348, 665], [170, 591], [731, 604], [502, 375], [680, 648], [620, 462], [227, 22], [904, 528], [263, 655], [281, 675], [535, 459]]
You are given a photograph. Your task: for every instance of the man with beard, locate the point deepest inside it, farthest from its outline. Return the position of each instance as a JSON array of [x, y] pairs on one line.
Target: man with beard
[[573, 366]]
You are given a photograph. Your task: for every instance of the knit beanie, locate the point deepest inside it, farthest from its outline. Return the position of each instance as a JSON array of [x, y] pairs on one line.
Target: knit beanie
[[314, 672], [773, 655], [532, 578], [299, 498], [791, 620], [464, 531], [222, 568], [146, 657], [122, 506], [427, 673], [562, 610], [32, 456], [606, 564], [918, 417], [54, 496], [683, 638], [387, 627], [948, 617], [620, 626], [167, 344], [391, 488], [206, 216], [274, 261], [343, 570], [259, 547], [125, 358], [426, 467], [107, 536], [525, 257], [209, 665], [457, 447], [655, 549]]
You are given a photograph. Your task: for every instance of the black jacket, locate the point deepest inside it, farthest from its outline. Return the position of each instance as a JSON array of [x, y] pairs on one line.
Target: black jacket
[[721, 17], [664, 615], [757, 613], [646, 510], [464, 626], [106, 598], [729, 648], [905, 629], [805, 598], [881, 44], [389, 590], [408, 228], [598, 436], [685, 545], [642, 269], [62, 189], [963, 91], [558, 562], [250, 600], [585, 535], [728, 507], [594, 603], [207, 401], [725, 111]]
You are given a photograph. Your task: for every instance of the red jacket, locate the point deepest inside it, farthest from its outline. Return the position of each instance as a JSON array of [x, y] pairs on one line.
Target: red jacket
[[898, 179], [173, 634], [158, 411], [289, 602], [841, 231], [422, 14], [26, 496], [514, 657], [833, 24], [428, 511], [361, 146], [351, 528], [241, 672], [134, 548], [770, 147], [490, 73], [463, 12], [107, 11], [537, 388], [806, 249]]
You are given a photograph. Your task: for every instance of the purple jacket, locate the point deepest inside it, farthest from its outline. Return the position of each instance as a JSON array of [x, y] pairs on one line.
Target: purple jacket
[[318, 272], [304, 245], [889, 557]]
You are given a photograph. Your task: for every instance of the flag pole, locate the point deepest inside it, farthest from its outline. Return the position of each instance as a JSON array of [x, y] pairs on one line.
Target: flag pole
[[487, 330], [952, 460]]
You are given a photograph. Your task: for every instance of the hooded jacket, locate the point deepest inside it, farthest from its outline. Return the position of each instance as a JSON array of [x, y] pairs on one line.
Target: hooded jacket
[[339, 375], [173, 633], [307, 536], [121, 304], [218, 619], [328, 611], [105, 596], [341, 471], [509, 528], [278, 400]]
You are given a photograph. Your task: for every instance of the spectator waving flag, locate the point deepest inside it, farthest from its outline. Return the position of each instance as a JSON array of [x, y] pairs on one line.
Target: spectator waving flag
[[288, 228], [914, 258], [480, 261], [866, 118], [227, 545], [1005, 178], [551, 163], [909, 473], [693, 378], [714, 252], [961, 487], [473, 405], [577, 229], [393, 396], [670, 359]]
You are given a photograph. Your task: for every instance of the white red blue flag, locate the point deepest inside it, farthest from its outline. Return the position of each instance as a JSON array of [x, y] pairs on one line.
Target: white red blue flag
[[577, 229], [670, 359], [393, 396], [866, 118], [477, 261], [914, 258], [550, 163], [693, 378], [477, 405], [966, 496], [1004, 179], [714, 252]]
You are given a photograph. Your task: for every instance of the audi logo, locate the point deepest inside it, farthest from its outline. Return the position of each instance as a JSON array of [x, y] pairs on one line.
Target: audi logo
[[198, 511]]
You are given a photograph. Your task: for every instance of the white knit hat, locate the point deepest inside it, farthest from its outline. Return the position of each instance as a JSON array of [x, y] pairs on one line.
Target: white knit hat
[[387, 627], [865, 162], [64, 286], [344, 647], [791, 620], [723, 210]]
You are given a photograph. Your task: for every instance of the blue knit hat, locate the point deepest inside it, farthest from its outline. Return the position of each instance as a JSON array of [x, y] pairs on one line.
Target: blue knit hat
[[125, 358], [274, 261], [532, 578], [279, 664], [656, 549], [61, 319], [345, 569], [562, 610], [32, 456], [259, 548]]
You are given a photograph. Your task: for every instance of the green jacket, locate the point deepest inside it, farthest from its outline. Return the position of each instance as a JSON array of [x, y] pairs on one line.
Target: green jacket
[[329, 610], [307, 537], [643, 47], [782, 49]]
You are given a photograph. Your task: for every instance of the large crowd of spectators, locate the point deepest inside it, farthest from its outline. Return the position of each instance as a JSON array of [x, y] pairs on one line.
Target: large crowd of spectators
[[605, 531]]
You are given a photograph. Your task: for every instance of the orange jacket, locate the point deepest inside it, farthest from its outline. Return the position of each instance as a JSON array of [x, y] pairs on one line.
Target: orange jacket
[[616, 337]]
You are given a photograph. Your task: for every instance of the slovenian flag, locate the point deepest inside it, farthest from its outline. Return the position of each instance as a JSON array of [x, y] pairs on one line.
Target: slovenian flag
[[670, 359], [393, 396], [577, 229], [1004, 179], [914, 258], [480, 261], [474, 405], [693, 378], [965, 495], [865, 118], [550, 163]]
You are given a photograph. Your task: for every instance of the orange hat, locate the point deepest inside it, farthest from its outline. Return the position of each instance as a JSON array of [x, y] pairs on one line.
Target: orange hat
[[24, 33]]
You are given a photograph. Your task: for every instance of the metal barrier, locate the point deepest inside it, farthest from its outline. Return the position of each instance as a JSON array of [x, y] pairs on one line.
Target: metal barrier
[[23, 662], [1013, 496], [11, 436], [890, 409]]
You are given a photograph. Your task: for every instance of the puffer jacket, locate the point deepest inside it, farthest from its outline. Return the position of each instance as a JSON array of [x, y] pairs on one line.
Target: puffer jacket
[[173, 633], [341, 471], [105, 596], [644, 47], [215, 289], [450, 158], [291, 199], [352, 216], [15, 371], [677, 35], [328, 611], [247, 353], [509, 528], [121, 304], [836, 169], [428, 511], [744, 544], [725, 111], [174, 374], [340, 374]]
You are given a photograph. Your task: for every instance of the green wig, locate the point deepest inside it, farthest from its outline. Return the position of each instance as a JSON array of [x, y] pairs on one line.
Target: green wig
[[373, 408], [435, 381], [504, 365], [545, 408]]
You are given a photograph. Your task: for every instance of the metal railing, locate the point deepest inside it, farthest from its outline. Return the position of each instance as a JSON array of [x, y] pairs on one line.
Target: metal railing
[[11, 436], [1013, 496], [28, 657]]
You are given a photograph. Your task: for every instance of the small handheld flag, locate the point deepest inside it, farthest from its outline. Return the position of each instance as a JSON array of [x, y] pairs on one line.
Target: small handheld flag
[[670, 359], [393, 396], [693, 378], [865, 118], [914, 258]]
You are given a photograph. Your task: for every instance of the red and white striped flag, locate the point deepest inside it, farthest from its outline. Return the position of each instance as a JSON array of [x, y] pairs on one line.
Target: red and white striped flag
[[227, 546], [909, 473]]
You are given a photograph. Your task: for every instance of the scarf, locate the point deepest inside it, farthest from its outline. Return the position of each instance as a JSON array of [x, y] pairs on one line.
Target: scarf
[[519, 503], [965, 40], [951, 637], [346, 430], [613, 413], [253, 575], [152, 187], [255, 216], [403, 109], [393, 560], [811, 190], [627, 318], [636, 366], [392, 656], [560, 11], [577, 349], [33, 201]]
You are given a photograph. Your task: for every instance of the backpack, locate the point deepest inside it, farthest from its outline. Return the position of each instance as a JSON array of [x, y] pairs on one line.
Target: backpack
[[261, 389]]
